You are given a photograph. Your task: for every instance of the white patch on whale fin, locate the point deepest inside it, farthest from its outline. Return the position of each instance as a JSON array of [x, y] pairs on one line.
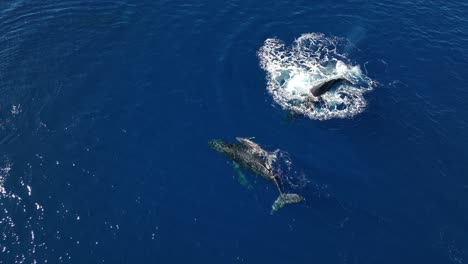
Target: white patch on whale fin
[[285, 198]]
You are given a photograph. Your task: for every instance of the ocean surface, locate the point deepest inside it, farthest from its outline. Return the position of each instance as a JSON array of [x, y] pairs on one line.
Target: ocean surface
[[106, 108]]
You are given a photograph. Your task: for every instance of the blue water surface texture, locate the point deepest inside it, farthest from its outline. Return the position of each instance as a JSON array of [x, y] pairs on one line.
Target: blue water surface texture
[[106, 108]]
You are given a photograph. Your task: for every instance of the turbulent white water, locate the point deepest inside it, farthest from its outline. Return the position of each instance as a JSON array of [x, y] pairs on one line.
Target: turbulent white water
[[312, 59]]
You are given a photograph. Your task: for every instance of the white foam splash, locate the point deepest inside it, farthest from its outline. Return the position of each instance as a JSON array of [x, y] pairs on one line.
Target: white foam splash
[[16, 109], [312, 59]]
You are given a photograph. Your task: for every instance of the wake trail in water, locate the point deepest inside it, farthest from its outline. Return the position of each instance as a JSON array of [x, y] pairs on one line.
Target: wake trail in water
[[311, 60], [321, 200]]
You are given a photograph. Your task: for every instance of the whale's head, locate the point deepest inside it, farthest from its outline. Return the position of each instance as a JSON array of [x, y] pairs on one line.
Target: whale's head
[[219, 145]]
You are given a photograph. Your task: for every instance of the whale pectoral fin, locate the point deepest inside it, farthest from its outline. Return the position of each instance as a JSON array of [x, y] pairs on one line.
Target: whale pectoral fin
[[235, 165], [285, 198], [241, 178]]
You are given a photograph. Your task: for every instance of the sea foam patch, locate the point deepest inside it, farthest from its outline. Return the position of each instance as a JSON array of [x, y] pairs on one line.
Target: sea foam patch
[[20, 220], [312, 59]]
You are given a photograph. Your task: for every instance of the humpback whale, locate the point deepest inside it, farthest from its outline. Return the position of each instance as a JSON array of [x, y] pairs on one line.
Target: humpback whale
[[250, 156], [322, 88]]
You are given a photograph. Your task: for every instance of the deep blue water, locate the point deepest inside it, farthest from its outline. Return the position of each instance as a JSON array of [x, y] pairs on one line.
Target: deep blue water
[[106, 108]]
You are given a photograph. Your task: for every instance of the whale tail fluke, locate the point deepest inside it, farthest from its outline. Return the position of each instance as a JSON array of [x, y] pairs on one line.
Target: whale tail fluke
[[285, 198]]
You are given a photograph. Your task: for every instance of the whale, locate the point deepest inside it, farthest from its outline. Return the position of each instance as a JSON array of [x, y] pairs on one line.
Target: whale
[[250, 156], [323, 87]]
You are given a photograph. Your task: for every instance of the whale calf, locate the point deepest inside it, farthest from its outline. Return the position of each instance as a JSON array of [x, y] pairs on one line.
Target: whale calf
[[250, 156]]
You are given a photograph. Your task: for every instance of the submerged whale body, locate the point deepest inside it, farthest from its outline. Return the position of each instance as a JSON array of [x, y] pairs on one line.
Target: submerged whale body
[[324, 87], [249, 155]]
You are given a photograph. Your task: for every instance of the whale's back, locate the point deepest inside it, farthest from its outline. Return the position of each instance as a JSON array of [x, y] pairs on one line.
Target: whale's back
[[324, 87]]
